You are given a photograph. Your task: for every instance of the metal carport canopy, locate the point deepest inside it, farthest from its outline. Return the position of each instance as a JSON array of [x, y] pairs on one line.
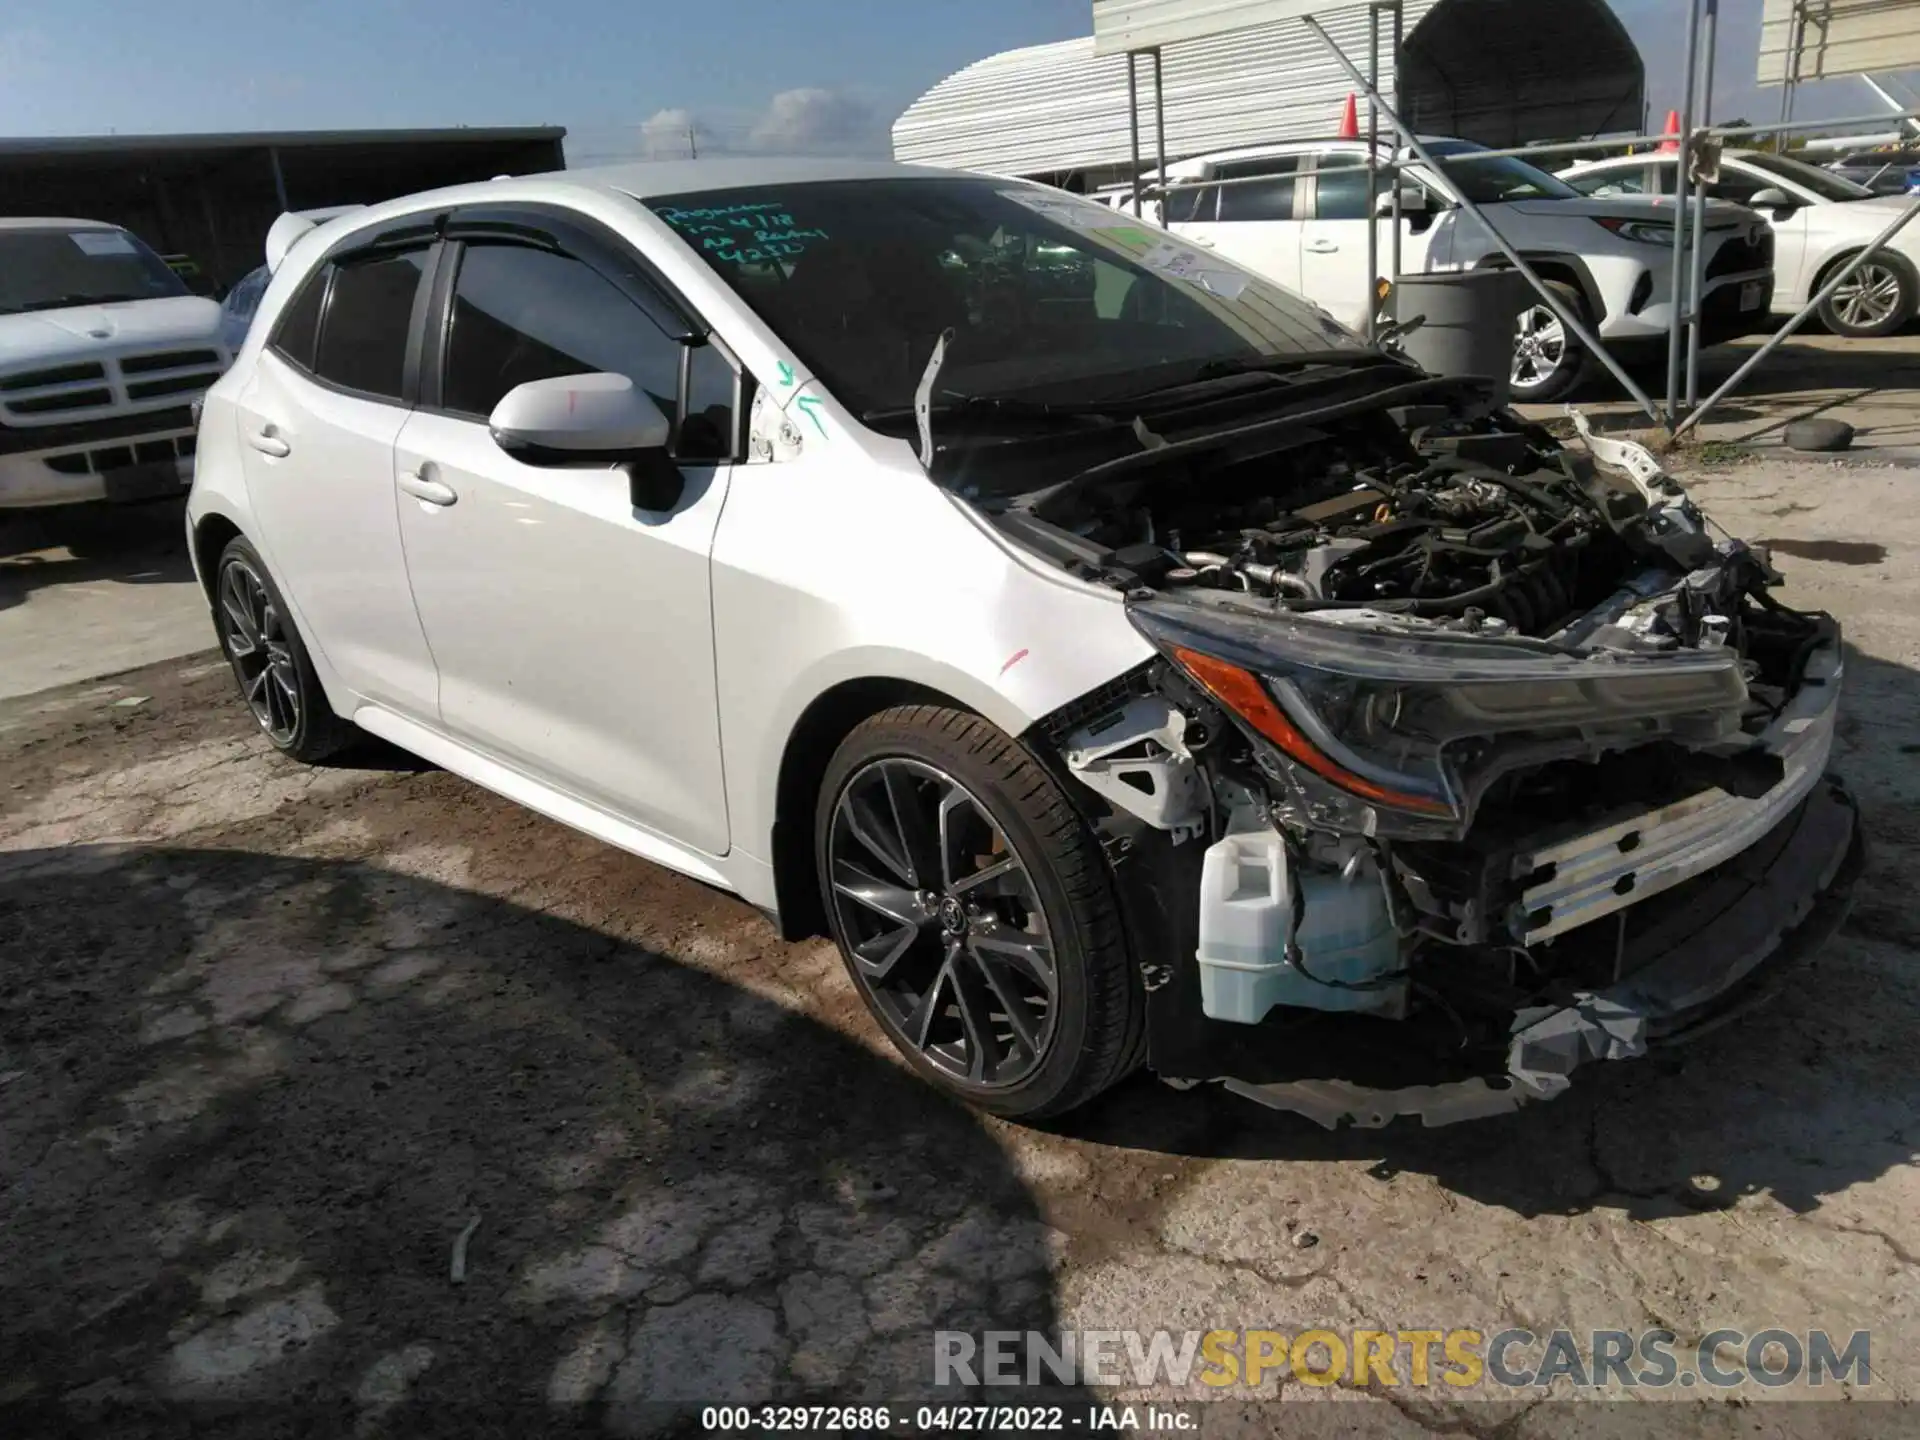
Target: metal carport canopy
[[1123, 25], [1501, 72]]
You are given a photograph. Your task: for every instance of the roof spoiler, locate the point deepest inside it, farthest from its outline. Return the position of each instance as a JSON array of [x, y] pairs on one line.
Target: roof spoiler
[[282, 234]]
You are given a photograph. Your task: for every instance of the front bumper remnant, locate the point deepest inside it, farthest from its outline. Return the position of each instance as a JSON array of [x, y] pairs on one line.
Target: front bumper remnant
[[1727, 949]]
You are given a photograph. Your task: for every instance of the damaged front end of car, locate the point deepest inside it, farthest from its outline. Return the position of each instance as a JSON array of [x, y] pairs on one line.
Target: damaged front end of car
[[1467, 759]]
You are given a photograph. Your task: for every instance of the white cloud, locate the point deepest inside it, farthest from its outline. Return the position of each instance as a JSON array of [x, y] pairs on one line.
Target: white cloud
[[670, 134], [818, 122]]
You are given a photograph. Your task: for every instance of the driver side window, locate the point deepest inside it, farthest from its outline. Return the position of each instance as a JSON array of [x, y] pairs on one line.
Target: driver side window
[[519, 314]]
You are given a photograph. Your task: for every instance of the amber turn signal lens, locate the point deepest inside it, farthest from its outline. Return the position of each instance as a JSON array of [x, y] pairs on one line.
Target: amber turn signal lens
[[1241, 692]]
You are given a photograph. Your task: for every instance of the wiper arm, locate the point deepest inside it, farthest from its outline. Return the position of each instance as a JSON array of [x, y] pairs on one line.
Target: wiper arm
[[1281, 364]]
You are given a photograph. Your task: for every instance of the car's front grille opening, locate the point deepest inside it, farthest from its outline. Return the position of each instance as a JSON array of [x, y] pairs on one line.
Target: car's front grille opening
[[166, 360], [74, 464], [112, 457], [67, 400], [53, 375], [187, 444], [171, 385], [152, 452]]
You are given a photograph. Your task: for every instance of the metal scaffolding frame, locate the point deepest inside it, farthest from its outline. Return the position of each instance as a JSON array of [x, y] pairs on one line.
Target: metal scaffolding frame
[[1698, 140]]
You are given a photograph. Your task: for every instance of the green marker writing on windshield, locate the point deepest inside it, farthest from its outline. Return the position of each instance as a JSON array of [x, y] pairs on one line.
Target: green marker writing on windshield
[[786, 373]]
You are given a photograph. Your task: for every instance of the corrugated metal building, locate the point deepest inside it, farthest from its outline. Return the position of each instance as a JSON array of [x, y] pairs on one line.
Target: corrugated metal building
[[210, 198], [1503, 72]]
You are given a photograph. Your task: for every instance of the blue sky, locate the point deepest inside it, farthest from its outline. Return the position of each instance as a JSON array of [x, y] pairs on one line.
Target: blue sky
[[620, 74]]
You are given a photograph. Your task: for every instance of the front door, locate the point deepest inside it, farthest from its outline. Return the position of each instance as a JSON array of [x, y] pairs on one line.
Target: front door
[[573, 632]]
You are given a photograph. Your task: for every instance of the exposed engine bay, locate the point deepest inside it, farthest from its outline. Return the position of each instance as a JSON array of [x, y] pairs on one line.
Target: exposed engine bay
[[1453, 729]]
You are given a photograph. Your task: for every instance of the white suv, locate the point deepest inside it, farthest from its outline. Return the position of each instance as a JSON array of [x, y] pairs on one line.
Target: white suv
[[1122, 663], [1305, 225], [102, 353], [1820, 221]]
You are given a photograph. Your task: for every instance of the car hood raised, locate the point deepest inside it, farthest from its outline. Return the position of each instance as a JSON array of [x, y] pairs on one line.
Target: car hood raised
[[81, 330]]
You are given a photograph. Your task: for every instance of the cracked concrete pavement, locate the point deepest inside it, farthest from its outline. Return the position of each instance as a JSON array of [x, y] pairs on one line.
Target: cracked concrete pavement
[[272, 1038]]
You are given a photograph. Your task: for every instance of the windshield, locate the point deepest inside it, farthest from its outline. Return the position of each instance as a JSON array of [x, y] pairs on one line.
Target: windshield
[[1491, 182], [1048, 296], [1824, 183], [48, 269]]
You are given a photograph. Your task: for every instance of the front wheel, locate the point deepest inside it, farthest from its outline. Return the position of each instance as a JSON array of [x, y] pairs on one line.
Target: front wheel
[[1877, 299], [1547, 360], [975, 913]]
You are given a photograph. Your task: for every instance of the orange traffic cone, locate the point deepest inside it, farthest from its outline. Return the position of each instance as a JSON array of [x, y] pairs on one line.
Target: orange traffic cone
[[1350, 119], [1671, 144]]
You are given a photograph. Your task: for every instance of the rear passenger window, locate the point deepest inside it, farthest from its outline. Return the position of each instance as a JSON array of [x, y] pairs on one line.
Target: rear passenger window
[[1264, 191], [363, 338], [299, 323], [521, 314]]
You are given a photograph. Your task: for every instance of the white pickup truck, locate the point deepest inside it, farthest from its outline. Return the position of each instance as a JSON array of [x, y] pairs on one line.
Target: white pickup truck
[[103, 352]]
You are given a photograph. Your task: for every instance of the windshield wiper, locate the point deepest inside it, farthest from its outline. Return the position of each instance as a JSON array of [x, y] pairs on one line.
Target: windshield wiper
[[1282, 364]]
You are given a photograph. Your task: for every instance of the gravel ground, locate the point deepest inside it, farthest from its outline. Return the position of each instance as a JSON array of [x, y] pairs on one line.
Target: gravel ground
[[273, 1039]]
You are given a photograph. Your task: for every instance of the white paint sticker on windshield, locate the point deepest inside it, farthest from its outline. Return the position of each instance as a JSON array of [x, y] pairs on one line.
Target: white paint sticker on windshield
[[1077, 214], [102, 242], [1177, 262]]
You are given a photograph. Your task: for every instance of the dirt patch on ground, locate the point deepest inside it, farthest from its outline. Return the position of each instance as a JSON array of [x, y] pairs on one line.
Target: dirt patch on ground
[[272, 1038]]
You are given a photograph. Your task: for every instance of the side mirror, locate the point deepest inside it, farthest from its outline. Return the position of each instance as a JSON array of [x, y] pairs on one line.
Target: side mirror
[[1413, 202], [1772, 198], [591, 420]]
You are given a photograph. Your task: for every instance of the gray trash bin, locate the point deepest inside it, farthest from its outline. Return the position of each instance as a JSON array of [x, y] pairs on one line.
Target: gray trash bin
[[1469, 322]]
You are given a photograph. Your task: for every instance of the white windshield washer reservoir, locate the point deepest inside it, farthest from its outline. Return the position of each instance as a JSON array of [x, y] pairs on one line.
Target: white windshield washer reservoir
[[1346, 936]]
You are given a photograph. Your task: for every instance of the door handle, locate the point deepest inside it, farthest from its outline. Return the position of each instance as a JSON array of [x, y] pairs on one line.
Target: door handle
[[1322, 247], [268, 442], [422, 486]]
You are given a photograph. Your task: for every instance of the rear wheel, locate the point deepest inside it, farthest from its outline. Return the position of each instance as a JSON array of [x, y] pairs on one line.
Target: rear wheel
[[1547, 360], [975, 912], [270, 661], [1877, 299]]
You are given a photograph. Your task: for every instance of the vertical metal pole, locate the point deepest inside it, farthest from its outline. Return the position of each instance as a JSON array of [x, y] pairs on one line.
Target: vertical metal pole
[[1678, 290], [1699, 286], [1399, 37], [1160, 129], [1790, 63], [1373, 169], [279, 179], [1133, 124]]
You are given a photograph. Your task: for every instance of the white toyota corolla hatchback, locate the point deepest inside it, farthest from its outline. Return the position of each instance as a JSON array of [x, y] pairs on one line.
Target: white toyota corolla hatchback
[[1121, 662]]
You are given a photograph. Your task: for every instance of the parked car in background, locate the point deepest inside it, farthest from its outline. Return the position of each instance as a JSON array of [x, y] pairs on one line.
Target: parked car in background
[[103, 351], [1299, 212], [1820, 220], [1884, 172], [1121, 662], [238, 307]]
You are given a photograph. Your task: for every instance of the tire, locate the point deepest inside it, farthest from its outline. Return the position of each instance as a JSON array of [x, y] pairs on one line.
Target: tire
[[1879, 299], [1547, 361], [270, 661], [951, 958]]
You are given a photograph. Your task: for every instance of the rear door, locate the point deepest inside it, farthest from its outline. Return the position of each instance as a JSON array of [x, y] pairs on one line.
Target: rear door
[[1251, 217], [1333, 249], [318, 420], [573, 632]]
